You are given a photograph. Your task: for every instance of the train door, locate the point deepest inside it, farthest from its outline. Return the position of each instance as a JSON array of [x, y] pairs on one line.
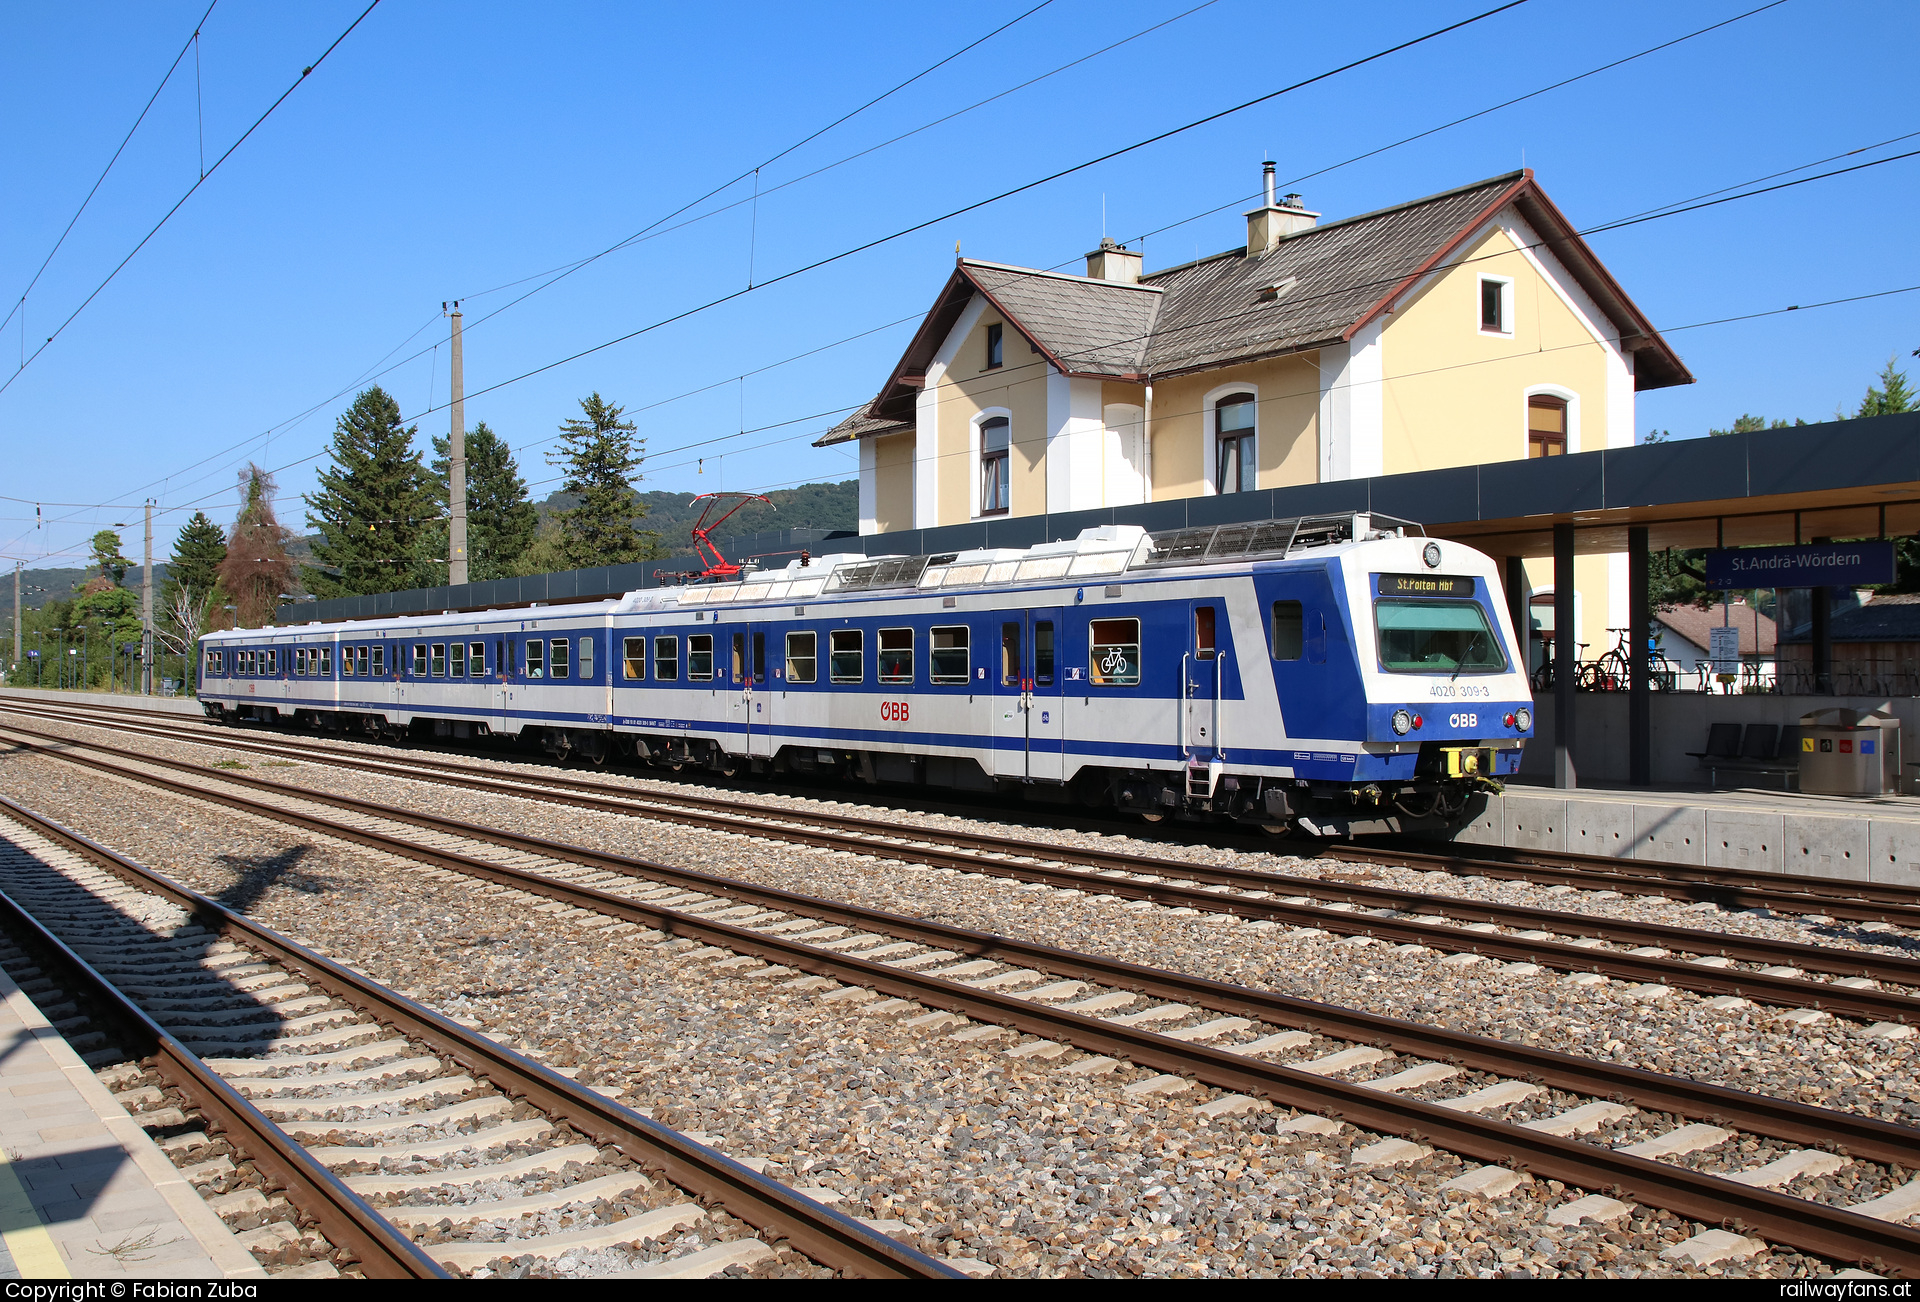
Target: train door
[[1201, 722], [498, 690], [740, 692], [760, 726], [1029, 723]]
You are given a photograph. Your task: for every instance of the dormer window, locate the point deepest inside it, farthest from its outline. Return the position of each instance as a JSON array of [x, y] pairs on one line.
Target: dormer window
[[993, 347]]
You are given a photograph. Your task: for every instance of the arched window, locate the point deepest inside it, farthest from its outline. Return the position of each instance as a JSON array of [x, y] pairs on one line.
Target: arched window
[[1233, 443], [995, 437], [1546, 426]]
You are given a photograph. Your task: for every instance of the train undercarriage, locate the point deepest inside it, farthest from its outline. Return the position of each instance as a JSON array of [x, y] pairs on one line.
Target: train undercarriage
[[1274, 804]]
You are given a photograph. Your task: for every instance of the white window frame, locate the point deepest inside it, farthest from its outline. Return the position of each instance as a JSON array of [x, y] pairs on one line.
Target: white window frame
[[1506, 306], [1566, 395], [974, 444], [1210, 435]]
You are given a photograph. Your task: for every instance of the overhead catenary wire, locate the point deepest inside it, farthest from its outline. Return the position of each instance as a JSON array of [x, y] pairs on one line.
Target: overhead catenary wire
[[181, 201], [191, 43], [375, 373]]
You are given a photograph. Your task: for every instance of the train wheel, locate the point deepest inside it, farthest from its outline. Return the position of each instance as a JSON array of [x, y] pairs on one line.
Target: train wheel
[[1146, 817]]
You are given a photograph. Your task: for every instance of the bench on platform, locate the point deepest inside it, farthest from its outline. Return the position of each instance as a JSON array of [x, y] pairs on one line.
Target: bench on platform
[[1766, 749]]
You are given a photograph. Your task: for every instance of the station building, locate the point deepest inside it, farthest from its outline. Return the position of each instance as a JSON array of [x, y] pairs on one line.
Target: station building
[[1460, 329]]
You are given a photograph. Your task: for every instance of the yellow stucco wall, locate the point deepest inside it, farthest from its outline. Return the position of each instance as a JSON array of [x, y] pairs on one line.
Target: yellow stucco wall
[[1288, 424], [1454, 395], [893, 482], [969, 388], [1591, 581]]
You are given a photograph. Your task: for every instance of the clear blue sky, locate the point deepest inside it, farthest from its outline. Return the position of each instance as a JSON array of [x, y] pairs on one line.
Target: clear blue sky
[[447, 149]]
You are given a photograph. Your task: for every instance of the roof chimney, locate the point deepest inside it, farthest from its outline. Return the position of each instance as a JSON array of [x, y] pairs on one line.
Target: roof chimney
[[1269, 225], [1112, 261]]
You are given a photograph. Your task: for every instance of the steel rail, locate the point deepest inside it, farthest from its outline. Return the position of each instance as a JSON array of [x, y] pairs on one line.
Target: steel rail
[[1813, 1227], [382, 1250], [1840, 898], [1792, 992], [1854, 901], [1851, 1133], [827, 1236]]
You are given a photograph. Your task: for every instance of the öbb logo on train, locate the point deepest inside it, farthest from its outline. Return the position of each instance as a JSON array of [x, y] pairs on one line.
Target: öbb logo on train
[[893, 711], [1463, 721]]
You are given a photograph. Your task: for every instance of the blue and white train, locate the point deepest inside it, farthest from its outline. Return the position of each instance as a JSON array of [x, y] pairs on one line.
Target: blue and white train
[[1331, 674]]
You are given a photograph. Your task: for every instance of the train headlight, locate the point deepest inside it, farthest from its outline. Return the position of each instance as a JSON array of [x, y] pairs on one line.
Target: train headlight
[[1402, 723], [1523, 719]]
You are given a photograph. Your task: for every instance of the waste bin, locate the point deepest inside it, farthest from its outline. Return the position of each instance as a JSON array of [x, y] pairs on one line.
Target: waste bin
[[1846, 753]]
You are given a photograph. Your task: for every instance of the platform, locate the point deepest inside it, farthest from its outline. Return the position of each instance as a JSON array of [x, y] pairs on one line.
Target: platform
[[84, 1193], [128, 700], [1869, 839]]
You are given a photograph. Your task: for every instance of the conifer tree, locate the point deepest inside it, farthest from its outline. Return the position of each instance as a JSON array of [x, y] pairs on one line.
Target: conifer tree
[[195, 563], [1893, 396], [599, 458], [106, 554], [500, 519], [374, 507]]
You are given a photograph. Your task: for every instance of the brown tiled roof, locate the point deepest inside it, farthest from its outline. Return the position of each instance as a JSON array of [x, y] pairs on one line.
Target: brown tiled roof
[[1314, 288], [1692, 623], [862, 425]]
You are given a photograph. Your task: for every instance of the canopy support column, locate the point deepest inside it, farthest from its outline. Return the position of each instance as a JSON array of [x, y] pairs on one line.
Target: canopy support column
[[1564, 651], [1640, 683]]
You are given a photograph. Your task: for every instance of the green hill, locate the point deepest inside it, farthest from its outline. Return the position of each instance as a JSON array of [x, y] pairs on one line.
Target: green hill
[[810, 506]]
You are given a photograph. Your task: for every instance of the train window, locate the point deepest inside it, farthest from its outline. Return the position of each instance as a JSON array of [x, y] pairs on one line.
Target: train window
[[558, 658], [759, 657], [300, 662], [1289, 629], [1115, 652], [419, 669], [273, 662], [700, 657], [739, 656], [536, 658], [360, 660], [1203, 632], [666, 659], [847, 660], [503, 658], [949, 659], [1043, 653], [457, 660], [326, 661], [379, 661], [586, 657], [439, 659], [896, 655], [1009, 655], [477, 659], [1419, 636], [633, 664], [802, 657], [346, 662]]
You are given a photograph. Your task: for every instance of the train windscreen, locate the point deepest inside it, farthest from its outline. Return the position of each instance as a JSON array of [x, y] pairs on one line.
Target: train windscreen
[[1436, 637]]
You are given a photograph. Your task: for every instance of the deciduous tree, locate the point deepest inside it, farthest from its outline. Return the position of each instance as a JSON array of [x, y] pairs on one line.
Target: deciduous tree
[[256, 568]]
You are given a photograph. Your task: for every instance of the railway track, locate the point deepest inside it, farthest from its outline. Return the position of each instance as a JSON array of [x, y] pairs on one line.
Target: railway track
[[1263, 1049], [1774, 971], [1842, 899], [343, 1094]]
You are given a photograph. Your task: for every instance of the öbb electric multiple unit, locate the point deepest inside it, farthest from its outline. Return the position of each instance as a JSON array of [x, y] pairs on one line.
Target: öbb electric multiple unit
[[1324, 673]]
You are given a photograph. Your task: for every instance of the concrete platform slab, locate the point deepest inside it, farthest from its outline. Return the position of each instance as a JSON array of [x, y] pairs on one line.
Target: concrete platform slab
[[84, 1192]]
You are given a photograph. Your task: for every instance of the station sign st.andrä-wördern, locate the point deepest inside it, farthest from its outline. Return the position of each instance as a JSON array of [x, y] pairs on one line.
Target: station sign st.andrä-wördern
[[1809, 565]]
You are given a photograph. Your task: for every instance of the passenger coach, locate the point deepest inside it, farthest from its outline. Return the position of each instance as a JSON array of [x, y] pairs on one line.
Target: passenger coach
[[1324, 674]]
